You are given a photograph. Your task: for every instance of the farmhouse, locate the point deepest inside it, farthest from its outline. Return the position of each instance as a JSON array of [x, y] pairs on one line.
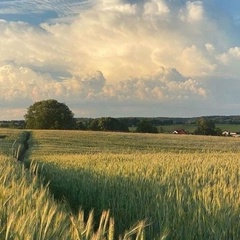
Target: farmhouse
[[236, 134], [179, 131], [231, 134], [226, 133]]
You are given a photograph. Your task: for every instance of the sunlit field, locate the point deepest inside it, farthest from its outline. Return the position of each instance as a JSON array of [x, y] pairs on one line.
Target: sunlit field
[[28, 210], [48, 142], [183, 187], [6, 143]]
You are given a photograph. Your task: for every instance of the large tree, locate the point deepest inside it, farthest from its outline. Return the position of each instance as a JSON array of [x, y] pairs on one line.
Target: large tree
[[49, 114], [206, 127]]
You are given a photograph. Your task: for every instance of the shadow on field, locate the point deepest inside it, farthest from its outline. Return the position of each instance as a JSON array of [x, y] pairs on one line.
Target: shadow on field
[[169, 208], [128, 200]]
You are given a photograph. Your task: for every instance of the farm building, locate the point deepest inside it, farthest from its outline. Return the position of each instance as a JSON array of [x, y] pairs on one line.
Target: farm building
[[226, 133], [179, 131], [231, 134]]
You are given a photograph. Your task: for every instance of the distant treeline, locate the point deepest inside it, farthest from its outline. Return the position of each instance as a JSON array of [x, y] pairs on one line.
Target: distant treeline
[[166, 121], [224, 119], [20, 124], [122, 123]]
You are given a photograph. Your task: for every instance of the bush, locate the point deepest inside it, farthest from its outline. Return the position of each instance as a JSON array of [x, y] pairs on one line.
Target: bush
[[145, 126], [108, 124]]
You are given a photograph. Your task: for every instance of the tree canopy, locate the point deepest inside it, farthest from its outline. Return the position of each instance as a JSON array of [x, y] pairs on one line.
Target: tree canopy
[[206, 127], [145, 126], [107, 124], [49, 114]]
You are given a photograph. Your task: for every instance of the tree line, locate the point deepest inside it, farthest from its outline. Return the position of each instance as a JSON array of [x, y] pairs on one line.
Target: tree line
[[51, 114]]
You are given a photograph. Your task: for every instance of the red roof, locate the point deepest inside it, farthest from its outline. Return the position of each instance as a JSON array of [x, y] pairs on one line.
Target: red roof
[[180, 131]]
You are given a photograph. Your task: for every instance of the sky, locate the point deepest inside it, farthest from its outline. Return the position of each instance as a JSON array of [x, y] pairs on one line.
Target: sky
[[121, 58]]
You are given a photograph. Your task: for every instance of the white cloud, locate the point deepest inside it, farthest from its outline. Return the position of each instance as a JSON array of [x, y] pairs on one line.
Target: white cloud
[[17, 83], [142, 43], [192, 12], [229, 62], [194, 62], [117, 6], [195, 11], [116, 38], [91, 56], [23, 83], [156, 7], [210, 48], [235, 52], [162, 86]]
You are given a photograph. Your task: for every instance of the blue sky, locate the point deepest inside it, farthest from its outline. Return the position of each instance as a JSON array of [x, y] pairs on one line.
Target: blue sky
[[121, 57]]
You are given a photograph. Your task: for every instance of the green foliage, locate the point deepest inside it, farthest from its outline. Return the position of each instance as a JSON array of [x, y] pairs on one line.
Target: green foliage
[[49, 114], [145, 126], [107, 124], [19, 124], [93, 125], [80, 125], [206, 127]]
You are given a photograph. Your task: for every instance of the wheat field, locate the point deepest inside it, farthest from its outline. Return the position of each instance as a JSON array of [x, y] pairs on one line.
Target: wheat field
[[28, 210], [91, 185], [183, 187]]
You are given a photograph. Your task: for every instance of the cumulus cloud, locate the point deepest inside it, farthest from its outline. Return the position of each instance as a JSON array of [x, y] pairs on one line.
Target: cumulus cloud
[[193, 12], [235, 52], [119, 38], [210, 48], [228, 62], [23, 83], [227, 58], [162, 86], [116, 6], [146, 35], [28, 46], [17, 83], [156, 7], [112, 50]]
